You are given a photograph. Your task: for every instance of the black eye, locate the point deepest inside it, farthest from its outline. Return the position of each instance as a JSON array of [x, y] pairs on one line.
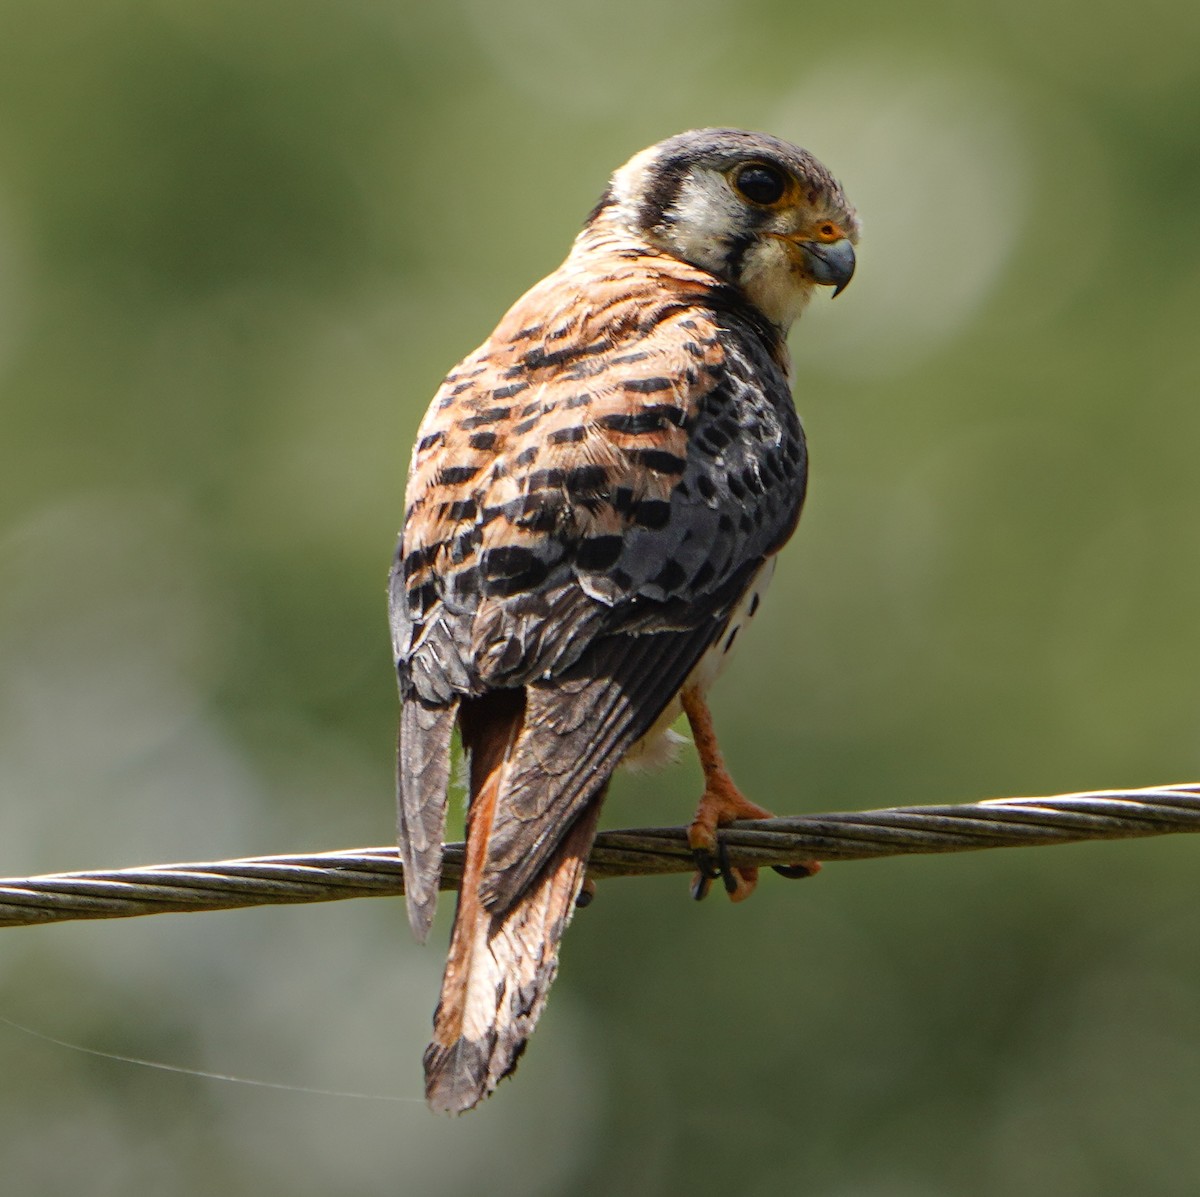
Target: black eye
[[760, 184]]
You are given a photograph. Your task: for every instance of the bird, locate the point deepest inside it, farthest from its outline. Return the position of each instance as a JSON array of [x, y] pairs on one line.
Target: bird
[[594, 505]]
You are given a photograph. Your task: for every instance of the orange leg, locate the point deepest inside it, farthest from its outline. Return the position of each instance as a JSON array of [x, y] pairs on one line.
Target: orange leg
[[721, 803]]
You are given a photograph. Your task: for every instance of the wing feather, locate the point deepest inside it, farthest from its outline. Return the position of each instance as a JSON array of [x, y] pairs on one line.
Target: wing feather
[[589, 492], [576, 732]]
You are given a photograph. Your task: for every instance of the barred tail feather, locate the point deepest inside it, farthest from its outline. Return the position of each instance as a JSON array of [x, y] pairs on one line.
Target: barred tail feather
[[422, 778], [499, 973], [501, 965]]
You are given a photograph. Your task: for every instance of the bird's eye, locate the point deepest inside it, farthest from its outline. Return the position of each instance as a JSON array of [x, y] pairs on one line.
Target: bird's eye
[[760, 184]]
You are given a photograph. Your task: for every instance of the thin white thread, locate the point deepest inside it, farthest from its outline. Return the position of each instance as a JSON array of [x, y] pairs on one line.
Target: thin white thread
[[198, 1072]]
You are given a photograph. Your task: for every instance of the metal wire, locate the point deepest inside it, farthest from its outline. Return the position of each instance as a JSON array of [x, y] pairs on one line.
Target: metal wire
[[847, 835]]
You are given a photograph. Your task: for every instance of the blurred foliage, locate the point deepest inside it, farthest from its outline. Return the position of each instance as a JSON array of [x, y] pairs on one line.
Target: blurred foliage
[[239, 246]]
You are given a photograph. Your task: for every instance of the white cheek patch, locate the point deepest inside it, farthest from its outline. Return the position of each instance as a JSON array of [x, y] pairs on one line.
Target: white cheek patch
[[699, 222]]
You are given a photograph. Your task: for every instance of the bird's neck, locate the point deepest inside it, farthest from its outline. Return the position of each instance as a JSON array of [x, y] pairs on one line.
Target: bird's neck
[[607, 246]]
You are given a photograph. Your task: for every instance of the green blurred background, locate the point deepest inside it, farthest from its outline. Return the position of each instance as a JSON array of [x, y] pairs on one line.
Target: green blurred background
[[240, 243]]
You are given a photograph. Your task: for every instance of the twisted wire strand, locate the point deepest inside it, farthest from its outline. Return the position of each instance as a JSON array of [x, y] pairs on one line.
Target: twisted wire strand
[[844, 835]]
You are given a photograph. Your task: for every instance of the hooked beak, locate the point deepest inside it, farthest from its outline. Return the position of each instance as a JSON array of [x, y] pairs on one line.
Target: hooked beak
[[830, 264]]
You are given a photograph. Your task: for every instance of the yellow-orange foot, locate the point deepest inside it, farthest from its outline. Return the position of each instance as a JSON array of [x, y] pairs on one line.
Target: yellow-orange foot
[[721, 804]]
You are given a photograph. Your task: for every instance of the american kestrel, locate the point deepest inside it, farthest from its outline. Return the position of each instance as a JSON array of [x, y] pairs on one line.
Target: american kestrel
[[594, 505]]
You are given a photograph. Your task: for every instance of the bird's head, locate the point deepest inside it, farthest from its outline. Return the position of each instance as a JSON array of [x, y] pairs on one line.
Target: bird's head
[[759, 213]]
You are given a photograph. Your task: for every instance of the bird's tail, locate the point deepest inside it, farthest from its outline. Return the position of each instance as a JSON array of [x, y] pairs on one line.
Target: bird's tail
[[501, 962]]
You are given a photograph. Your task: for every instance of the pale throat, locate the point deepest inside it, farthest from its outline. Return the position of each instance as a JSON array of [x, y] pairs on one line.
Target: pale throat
[[774, 282]]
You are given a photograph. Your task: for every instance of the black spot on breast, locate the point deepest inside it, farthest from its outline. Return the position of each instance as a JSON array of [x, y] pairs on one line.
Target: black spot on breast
[[512, 568], [538, 512], [460, 509], [525, 425], [773, 465], [751, 481], [526, 456], [585, 370], [546, 479], [646, 386], [540, 359], [464, 545], [457, 475], [647, 419], [580, 399], [421, 598], [464, 584], [586, 479], [482, 440], [598, 552], [567, 436], [706, 487], [652, 513], [670, 577], [507, 392], [660, 461], [428, 442], [486, 415], [418, 559], [712, 438]]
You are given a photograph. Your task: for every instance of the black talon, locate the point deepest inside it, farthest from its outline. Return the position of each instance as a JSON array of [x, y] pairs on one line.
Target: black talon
[[584, 898], [700, 887], [704, 863], [793, 872], [727, 874]]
